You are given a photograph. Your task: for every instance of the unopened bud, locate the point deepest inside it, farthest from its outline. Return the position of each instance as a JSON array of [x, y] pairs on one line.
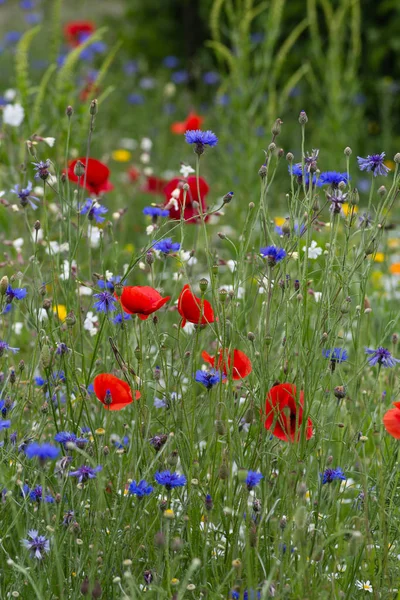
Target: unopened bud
[[203, 284], [251, 337], [382, 191], [45, 356], [4, 285], [395, 338], [289, 157], [69, 111], [303, 119], [37, 225], [262, 171], [276, 128], [340, 392], [70, 319], [79, 169], [348, 151], [227, 198], [396, 158], [272, 147], [93, 107], [222, 295]]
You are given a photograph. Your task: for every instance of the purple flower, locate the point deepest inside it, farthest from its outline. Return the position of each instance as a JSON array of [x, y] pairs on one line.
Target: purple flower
[[332, 178], [84, 473], [171, 62], [17, 293], [211, 78], [36, 494], [5, 424], [200, 139], [5, 346], [42, 451], [105, 303], [373, 163], [179, 77], [63, 437], [93, 210], [336, 355], [337, 199], [296, 171], [208, 378], [310, 160], [119, 319], [62, 349], [135, 99], [170, 480], [24, 194], [273, 254], [166, 246], [381, 356], [253, 478], [140, 489], [38, 545], [42, 169], [109, 284], [330, 475]]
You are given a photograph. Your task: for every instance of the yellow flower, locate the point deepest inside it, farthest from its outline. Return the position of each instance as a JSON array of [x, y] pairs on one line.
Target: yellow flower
[[379, 257], [169, 514], [279, 221], [61, 311], [394, 243], [347, 209], [129, 248], [121, 155], [174, 581], [100, 431], [389, 164]]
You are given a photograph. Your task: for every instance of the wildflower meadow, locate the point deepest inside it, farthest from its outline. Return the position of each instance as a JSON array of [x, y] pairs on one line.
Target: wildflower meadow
[[199, 298]]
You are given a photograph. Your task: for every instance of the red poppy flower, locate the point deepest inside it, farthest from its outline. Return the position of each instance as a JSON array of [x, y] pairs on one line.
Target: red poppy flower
[[241, 363], [77, 31], [285, 414], [97, 175], [191, 196], [192, 121], [89, 91], [133, 174], [153, 185], [391, 421], [141, 300], [193, 309], [113, 392]]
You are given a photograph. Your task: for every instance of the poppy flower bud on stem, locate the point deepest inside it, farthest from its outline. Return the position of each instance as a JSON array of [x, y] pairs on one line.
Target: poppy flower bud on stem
[[70, 319], [262, 171], [251, 337], [45, 356], [79, 169], [214, 269], [221, 235], [4, 285], [21, 366], [37, 225], [203, 285], [382, 191], [289, 157], [223, 295]]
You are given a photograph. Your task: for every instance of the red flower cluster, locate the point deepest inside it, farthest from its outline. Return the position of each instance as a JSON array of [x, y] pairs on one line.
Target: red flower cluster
[[141, 300], [194, 309], [113, 393], [192, 122], [97, 174], [175, 197], [391, 421], [240, 368], [153, 185], [76, 31], [284, 414]]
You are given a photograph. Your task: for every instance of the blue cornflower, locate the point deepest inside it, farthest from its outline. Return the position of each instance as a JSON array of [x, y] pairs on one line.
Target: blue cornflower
[[135, 99], [40, 381], [32, 19], [373, 163], [109, 283], [38, 545], [200, 139], [120, 444], [247, 595], [296, 171], [171, 62], [253, 478], [84, 473], [336, 355], [330, 475], [17, 293], [333, 178], [63, 437], [211, 78], [155, 211], [90, 52], [105, 303], [140, 489], [36, 494], [121, 318], [93, 210], [62, 349], [12, 37], [273, 254], [5, 424], [43, 452], [298, 229], [24, 195], [27, 4], [6, 406], [5, 346], [381, 356], [179, 77], [42, 169], [167, 245], [170, 480], [208, 378], [131, 67]]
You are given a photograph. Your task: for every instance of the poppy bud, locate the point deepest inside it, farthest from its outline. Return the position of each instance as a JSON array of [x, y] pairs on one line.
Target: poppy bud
[[173, 458], [93, 107], [79, 169], [251, 205], [303, 119], [276, 128], [281, 152], [203, 284], [222, 295], [46, 304], [355, 197], [85, 587], [251, 337], [69, 111], [272, 147], [221, 235], [106, 450], [138, 353], [155, 320], [286, 227], [3, 285], [214, 269], [97, 591], [45, 356], [348, 151], [382, 191]]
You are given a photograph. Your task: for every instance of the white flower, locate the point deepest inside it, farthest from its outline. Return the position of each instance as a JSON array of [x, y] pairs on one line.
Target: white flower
[[188, 328], [14, 207], [38, 190], [17, 327], [65, 269], [232, 265], [186, 170], [128, 144], [9, 95], [145, 158], [42, 315], [169, 89], [89, 323], [150, 229], [18, 243], [13, 115], [94, 236], [364, 585], [49, 141], [314, 251], [146, 144], [56, 248], [317, 296], [187, 257], [148, 171], [84, 290]]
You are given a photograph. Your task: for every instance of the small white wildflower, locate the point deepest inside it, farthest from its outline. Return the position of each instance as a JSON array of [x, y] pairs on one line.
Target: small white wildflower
[[90, 323], [18, 243], [232, 265], [17, 327], [94, 236], [84, 290], [49, 141], [14, 207], [116, 216], [10, 95], [42, 315], [314, 250], [364, 585], [38, 190], [146, 144], [13, 115], [317, 296], [145, 158], [188, 328], [128, 144], [150, 229], [186, 170], [169, 89], [148, 171]]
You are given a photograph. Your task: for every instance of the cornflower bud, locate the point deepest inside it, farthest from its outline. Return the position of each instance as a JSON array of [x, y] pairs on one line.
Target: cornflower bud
[[303, 119]]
